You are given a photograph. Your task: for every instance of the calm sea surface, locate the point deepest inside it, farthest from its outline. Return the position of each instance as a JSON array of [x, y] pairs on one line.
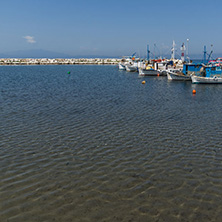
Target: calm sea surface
[[98, 145]]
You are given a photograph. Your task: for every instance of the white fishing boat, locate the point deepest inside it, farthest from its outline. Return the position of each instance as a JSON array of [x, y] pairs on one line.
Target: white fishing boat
[[209, 74], [200, 79], [177, 76], [163, 72], [148, 72], [122, 66], [128, 61], [131, 68]]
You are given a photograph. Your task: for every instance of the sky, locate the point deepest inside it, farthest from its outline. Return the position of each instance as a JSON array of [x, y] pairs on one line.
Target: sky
[[81, 28]]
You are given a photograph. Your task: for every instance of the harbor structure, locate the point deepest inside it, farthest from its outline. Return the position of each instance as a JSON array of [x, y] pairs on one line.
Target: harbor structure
[[59, 61]]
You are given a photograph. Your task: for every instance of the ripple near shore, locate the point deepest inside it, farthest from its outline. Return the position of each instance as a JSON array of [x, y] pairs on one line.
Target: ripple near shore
[[97, 145]]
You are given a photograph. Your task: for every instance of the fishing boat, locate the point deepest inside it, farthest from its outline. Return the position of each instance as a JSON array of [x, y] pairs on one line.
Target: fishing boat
[[210, 74], [169, 66], [131, 67], [148, 72], [185, 75], [200, 79], [122, 66], [217, 61], [128, 61], [177, 76]]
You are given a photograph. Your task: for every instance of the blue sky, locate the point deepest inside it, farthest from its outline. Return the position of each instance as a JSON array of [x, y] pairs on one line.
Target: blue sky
[[110, 28]]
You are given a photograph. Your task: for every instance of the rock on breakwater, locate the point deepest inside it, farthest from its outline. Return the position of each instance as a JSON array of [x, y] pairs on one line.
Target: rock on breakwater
[[57, 61]]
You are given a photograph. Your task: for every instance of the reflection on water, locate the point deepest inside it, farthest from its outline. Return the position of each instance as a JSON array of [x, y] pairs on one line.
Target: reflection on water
[[97, 145]]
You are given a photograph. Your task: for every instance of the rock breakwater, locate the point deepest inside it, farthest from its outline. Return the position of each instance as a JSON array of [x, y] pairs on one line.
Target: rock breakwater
[[47, 61]]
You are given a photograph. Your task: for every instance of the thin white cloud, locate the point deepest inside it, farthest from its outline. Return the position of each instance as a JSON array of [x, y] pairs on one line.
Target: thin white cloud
[[30, 39]]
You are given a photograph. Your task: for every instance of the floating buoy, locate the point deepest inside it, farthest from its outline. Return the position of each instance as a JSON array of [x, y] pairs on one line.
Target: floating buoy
[[194, 91], [68, 72], [158, 74], [143, 82]]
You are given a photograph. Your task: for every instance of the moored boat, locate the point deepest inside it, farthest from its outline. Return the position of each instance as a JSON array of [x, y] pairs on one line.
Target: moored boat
[[128, 61], [209, 74], [185, 75], [178, 76], [216, 62], [131, 68], [148, 72], [122, 66], [201, 79]]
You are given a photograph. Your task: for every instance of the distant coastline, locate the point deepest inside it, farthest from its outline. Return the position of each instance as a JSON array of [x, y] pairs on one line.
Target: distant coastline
[[46, 61]]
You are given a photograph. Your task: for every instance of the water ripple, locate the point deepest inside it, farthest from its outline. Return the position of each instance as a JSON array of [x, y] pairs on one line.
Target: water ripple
[[97, 145]]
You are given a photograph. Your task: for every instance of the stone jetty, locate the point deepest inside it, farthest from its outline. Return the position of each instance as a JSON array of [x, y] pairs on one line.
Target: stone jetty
[[47, 61]]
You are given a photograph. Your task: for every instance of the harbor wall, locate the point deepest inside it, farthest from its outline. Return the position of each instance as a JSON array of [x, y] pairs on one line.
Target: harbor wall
[[46, 61]]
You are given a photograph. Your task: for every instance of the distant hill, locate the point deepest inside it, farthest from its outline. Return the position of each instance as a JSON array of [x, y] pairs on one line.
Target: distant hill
[[40, 53], [34, 53]]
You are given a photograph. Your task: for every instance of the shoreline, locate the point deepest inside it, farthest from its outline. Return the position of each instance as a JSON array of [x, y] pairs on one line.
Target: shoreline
[[57, 61]]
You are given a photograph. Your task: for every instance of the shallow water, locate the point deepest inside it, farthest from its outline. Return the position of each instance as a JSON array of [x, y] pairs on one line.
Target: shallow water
[[97, 145]]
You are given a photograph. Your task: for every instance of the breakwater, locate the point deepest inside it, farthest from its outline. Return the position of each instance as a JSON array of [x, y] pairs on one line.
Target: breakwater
[[70, 61]]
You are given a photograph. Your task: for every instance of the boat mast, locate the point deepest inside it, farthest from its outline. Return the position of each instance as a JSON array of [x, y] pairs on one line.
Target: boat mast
[[187, 50], [173, 51], [205, 53], [154, 51], [182, 52], [148, 53], [210, 53]]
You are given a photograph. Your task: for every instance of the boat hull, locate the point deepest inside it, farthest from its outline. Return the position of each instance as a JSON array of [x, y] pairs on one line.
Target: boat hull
[[162, 72], [211, 80], [177, 76], [130, 68], [122, 67], [148, 72]]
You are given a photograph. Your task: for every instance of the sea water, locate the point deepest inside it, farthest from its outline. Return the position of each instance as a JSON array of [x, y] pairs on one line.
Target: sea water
[[92, 143]]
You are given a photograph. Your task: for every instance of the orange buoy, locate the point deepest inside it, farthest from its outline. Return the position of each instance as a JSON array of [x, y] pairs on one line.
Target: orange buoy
[[158, 74], [194, 91], [143, 82]]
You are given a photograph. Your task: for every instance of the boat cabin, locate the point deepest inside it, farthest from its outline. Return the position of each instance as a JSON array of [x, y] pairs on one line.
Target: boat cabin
[[211, 71], [191, 68]]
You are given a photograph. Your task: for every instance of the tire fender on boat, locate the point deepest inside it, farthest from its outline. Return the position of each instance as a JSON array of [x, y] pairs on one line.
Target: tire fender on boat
[[215, 78]]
